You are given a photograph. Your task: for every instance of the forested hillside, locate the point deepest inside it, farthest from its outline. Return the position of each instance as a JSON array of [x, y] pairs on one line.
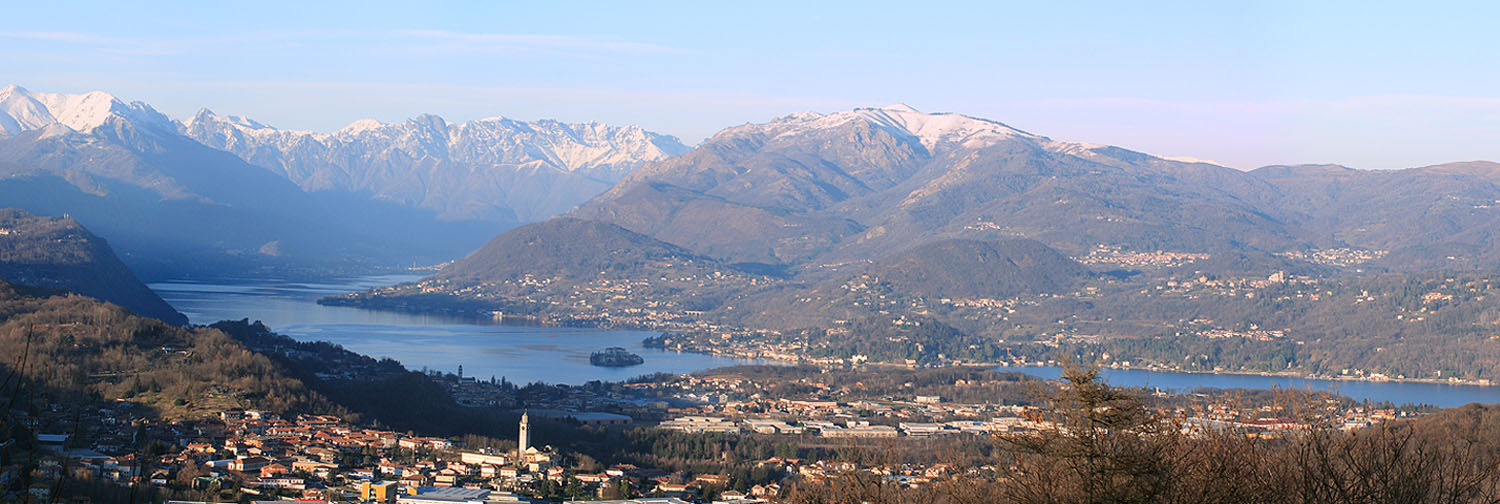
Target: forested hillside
[[64, 348], [60, 253]]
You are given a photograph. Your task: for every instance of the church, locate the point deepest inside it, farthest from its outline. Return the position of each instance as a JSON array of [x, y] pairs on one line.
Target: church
[[533, 459]]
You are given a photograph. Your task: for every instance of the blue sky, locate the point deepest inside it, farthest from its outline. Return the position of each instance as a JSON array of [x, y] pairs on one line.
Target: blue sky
[[1246, 84]]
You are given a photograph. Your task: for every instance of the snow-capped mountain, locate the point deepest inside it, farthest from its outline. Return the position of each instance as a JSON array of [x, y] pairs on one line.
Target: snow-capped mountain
[[168, 202], [934, 131], [842, 187], [900, 120], [490, 169], [22, 110]]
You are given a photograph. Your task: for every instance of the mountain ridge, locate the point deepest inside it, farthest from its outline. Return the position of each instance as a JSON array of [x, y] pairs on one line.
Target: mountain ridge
[[862, 180], [451, 168], [173, 206]]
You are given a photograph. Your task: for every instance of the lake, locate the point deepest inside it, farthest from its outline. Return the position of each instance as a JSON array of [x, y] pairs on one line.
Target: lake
[[483, 348], [1436, 394], [557, 355]]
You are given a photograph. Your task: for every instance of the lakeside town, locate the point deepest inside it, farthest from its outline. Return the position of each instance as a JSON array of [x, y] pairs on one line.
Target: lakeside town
[[806, 413], [1128, 300]]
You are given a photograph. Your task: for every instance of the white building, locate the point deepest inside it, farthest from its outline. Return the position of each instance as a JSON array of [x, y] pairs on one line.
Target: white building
[[771, 426], [700, 424]]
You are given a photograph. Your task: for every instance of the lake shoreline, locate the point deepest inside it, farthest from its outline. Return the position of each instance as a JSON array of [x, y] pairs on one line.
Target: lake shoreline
[[521, 352], [1481, 383]]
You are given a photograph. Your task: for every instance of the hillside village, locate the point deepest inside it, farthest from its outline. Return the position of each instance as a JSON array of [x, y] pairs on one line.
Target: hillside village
[[260, 455]]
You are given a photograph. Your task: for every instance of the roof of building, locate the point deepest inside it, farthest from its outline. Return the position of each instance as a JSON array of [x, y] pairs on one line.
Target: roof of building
[[455, 494], [597, 416]]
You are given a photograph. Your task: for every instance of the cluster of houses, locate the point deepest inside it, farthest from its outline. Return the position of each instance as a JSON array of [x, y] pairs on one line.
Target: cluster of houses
[[313, 458], [307, 457], [849, 427]]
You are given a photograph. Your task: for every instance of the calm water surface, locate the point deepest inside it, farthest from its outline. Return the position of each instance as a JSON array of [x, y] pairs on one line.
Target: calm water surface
[[553, 355], [1436, 394], [484, 349]]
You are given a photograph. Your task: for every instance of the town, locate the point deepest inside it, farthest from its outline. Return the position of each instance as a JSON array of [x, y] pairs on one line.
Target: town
[[805, 415]]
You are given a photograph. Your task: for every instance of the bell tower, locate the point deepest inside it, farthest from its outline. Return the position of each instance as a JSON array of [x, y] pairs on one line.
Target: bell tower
[[524, 440]]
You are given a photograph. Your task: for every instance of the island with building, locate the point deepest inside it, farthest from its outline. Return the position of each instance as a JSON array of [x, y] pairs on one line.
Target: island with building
[[615, 357]]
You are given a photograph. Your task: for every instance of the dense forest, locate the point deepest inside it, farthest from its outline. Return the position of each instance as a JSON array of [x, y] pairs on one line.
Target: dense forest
[[60, 348]]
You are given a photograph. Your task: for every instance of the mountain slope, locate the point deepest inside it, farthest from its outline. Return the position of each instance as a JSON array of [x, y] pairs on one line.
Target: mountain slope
[[980, 269], [1435, 217], [489, 169], [826, 192], [59, 253], [939, 270], [549, 269], [80, 349], [567, 248], [849, 186]]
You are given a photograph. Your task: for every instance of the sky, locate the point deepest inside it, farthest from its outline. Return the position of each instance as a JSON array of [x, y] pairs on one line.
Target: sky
[[1244, 84]]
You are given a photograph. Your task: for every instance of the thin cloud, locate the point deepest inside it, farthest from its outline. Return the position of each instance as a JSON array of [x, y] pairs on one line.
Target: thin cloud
[[426, 40], [533, 42], [1354, 102], [125, 46], [71, 37]]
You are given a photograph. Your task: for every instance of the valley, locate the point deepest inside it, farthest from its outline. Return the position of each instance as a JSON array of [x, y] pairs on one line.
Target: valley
[[804, 293]]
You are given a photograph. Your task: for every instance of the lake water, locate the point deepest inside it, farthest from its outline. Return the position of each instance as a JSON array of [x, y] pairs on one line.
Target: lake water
[[553, 355], [1436, 394], [483, 348]]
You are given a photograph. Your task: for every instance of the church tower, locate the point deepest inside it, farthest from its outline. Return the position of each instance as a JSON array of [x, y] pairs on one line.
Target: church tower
[[524, 441]]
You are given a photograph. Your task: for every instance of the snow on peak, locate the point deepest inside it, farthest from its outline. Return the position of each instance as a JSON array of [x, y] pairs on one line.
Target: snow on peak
[[901, 107], [82, 112], [902, 120], [20, 112], [24, 110], [205, 115], [1192, 160], [245, 122], [361, 126]]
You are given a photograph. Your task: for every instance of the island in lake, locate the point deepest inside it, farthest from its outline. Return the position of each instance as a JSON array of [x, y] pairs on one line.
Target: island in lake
[[615, 357]]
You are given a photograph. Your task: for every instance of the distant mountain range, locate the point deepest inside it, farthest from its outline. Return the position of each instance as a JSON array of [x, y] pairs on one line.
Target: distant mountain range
[[490, 169], [58, 253], [813, 218], [370, 194]]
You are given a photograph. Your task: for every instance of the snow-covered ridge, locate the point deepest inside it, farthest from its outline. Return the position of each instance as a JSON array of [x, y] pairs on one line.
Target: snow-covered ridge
[[360, 126], [585, 147], [931, 129], [495, 169], [241, 122], [22, 110], [486, 168]]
